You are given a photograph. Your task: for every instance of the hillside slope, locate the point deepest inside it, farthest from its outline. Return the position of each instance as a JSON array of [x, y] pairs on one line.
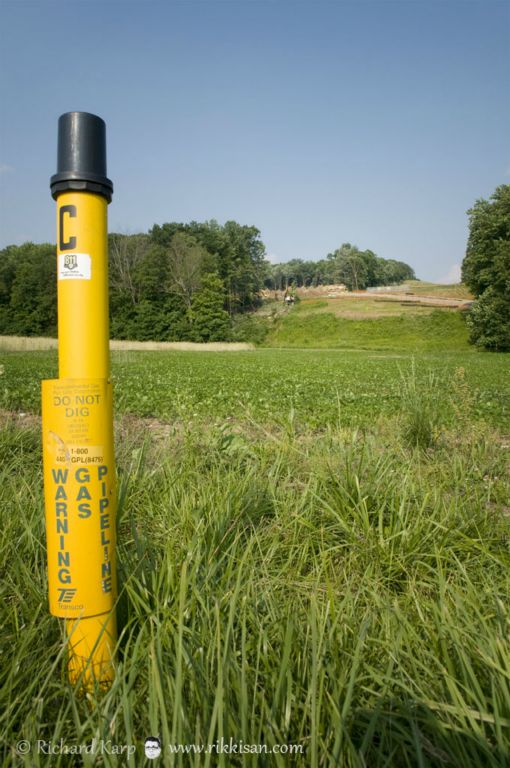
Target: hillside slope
[[364, 323]]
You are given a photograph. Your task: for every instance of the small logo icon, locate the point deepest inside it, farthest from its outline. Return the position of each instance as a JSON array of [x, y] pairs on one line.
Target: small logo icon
[[66, 595], [70, 261], [152, 747]]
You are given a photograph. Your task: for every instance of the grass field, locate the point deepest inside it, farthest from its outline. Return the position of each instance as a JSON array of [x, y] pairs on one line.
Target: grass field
[[360, 309], [369, 324], [422, 288], [314, 550], [315, 388]]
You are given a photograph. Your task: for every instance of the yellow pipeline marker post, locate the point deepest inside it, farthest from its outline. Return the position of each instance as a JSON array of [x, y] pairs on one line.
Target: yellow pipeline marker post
[[77, 415]]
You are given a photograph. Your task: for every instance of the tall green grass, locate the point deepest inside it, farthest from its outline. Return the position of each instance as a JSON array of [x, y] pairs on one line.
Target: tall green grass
[[344, 590]]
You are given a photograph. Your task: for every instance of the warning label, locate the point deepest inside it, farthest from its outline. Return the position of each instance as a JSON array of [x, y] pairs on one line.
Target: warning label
[[74, 266], [79, 487]]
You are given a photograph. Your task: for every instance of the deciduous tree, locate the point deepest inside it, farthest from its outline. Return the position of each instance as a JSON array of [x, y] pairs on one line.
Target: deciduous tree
[[486, 270]]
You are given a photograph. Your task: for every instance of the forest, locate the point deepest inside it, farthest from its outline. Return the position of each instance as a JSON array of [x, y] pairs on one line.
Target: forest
[[180, 282]]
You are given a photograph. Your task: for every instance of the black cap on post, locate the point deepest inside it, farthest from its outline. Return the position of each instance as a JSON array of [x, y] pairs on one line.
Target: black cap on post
[[81, 164]]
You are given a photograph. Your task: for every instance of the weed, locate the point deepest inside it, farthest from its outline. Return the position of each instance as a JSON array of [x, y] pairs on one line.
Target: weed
[[422, 407]]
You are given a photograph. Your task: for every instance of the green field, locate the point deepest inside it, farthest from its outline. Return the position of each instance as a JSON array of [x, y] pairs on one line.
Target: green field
[[370, 325], [313, 551], [318, 387]]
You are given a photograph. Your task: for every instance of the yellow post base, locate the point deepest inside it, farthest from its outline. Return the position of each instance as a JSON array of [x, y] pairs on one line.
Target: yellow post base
[[92, 650]]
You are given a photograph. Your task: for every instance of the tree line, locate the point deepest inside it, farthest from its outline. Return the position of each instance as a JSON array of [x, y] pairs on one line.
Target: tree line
[[199, 281], [348, 266], [179, 282]]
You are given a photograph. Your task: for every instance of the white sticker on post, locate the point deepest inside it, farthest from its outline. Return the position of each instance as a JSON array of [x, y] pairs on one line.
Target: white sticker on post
[[74, 266]]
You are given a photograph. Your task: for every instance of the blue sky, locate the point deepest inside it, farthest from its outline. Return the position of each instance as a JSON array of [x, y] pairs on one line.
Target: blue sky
[[371, 122]]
